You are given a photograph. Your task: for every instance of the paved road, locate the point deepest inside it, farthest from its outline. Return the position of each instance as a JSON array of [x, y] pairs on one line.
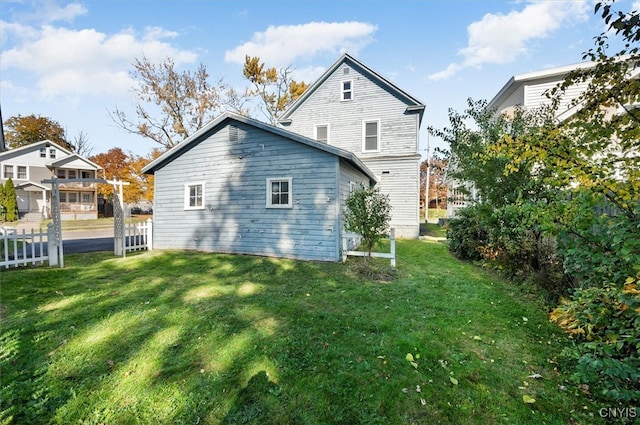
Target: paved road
[[87, 241], [77, 241]]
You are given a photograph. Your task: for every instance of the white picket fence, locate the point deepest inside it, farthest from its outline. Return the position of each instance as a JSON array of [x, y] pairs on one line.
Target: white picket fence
[[20, 249], [390, 255], [139, 236]]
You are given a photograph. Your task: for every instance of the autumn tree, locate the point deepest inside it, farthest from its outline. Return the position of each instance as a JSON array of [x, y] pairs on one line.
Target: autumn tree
[[120, 166], [25, 130], [437, 187], [275, 88], [171, 104]]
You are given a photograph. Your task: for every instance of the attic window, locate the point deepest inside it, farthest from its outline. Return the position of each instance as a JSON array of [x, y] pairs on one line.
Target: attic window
[[345, 71], [52, 153], [346, 90], [43, 152]]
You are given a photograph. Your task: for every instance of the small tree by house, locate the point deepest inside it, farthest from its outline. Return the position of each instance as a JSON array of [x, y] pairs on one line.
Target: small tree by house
[[10, 201], [368, 213]]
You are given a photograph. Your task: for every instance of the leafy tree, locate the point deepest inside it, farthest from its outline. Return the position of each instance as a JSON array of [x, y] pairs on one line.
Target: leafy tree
[[275, 87], [368, 213], [10, 201], [2, 202], [172, 105], [118, 165], [25, 130]]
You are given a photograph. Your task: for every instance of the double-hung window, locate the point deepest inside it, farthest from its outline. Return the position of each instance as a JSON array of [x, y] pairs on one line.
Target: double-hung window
[[346, 90], [8, 171], [279, 193], [194, 196], [22, 172], [371, 136]]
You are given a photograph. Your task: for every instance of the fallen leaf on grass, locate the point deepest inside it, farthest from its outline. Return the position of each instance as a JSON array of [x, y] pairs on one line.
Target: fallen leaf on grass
[[528, 399], [453, 380], [535, 376]]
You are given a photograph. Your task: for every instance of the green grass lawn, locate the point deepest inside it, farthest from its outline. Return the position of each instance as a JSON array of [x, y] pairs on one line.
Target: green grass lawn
[[187, 337]]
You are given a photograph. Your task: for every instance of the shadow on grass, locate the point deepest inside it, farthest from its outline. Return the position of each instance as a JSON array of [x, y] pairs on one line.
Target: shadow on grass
[[188, 337]]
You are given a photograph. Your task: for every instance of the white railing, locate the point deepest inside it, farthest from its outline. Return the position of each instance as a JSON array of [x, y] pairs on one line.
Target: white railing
[[390, 255], [138, 236], [20, 249]]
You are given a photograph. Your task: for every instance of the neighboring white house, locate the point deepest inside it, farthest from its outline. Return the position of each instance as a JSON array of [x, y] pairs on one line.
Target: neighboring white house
[[29, 165], [354, 108], [527, 91], [242, 186]]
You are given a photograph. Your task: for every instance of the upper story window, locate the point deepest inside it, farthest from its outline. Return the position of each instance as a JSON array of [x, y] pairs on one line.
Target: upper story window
[[8, 171], [279, 193], [322, 133], [61, 174], [72, 174], [346, 88], [194, 196], [52, 153], [22, 172], [371, 136], [43, 152]]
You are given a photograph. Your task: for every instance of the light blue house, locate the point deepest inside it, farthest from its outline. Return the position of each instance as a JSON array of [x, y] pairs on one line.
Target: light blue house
[[242, 186]]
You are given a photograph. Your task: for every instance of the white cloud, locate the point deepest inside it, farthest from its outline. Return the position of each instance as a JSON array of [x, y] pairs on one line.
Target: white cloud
[[77, 62], [280, 45], [501, 39]]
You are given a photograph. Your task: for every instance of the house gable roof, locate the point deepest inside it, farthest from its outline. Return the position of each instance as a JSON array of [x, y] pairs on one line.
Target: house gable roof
[[227, 117], [413, 104], [74, 161], [31, 147]]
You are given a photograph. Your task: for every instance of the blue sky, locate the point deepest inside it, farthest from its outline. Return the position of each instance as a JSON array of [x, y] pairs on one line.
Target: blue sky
[[70, 60]]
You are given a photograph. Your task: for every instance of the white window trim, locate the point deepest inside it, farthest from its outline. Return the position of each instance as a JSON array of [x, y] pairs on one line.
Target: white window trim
[[187, 186], [279, 179], [343, 91], [315, 132], [364, 135], [26, 172], [13, 171]]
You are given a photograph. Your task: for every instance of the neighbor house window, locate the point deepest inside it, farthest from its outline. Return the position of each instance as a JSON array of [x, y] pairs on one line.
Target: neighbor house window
[[322, 133], [371, 140], [279, 193], [61, 174], [43, 152], [72, 174], [52, 153], [87, 198], [22, 172], [72, 197], [8, 171], [346, 90], [63, 196], [194, 196]]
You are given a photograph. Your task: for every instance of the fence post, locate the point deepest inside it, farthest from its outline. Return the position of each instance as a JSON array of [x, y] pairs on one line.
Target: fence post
[[149, 236], [52, 248], [344, 249], [392, 238]]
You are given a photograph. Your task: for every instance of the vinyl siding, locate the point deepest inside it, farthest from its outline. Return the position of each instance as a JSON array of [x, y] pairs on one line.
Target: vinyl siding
[[398, 178], [235, 218], [371, 101], [398, 136]]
